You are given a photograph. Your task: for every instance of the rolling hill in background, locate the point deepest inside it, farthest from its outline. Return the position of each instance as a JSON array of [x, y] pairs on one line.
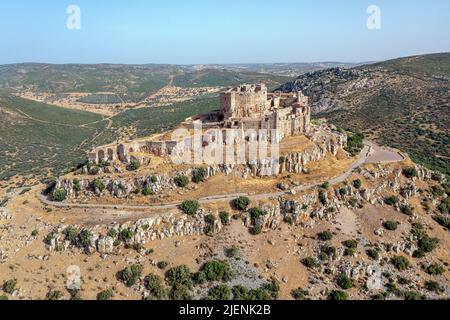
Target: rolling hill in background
[[403, 103], [38, 139]]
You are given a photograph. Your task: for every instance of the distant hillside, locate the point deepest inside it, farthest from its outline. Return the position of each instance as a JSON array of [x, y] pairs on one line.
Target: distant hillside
[[37, 139], [404, 103], [132, 80], [226, 78]]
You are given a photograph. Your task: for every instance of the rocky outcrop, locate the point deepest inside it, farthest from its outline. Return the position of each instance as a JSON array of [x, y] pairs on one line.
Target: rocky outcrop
[[106, 240]]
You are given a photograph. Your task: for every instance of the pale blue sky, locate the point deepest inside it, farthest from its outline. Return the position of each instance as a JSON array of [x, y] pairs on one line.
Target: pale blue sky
[[220, 31]]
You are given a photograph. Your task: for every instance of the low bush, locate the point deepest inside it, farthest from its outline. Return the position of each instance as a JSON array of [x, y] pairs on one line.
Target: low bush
[[434, 269], [310, 262], [216, 271], [391, 201], [241, 203], [154, 284], [180, 275], [85, 238], [220, 292], [299, 294], [190, 207], [400, 262], [390, 225], [410, 173], [199, 175], [181, 181], [257, 212], [224, 217], [357, 184], [135, 165], [54, 295], [130, 275], [325, 236], [59, 195], [373, 253], [338, 295], [9, 286], [443, 221], [105, 295], [344, 281], [351, 244]]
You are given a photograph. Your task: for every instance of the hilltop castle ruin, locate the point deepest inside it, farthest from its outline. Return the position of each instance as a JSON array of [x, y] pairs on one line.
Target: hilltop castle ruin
[[245, 108]]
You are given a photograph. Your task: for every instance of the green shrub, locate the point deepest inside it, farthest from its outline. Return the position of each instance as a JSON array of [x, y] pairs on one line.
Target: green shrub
[[3, 298], [325, 185], [59, 195], [325, 236], [224, 217], [162, 265], [400, 262], [259, 294], [256, 230], [355, 143], [349, 252], [181, 181], [135, 165], [310, 262], [105, 295], [154, 179], [35, 233], [199, 175], [411, 295], [433, 286], [180, 275], [147, 191], [131, 274], [9, 286], [299, 294], [273, 288], [328, 250], [410, 173], [70, 234], [338, 295], [391, 201], [257, 212], [444, 207], [344, 281], [112, 233], [351, 244], [154, 284], [435, 269], [190, 207], [240, 293], [443, 221], [242, 203], [427, 244], [390, 225], [216, 271], [54, 295], [99, 185], [407, 209], [220, 292], [76, 185], [232, 252], [437, 191], [85, 238], [180, 292], [357, 184], [126, 234], [372, 253], [417, 230]]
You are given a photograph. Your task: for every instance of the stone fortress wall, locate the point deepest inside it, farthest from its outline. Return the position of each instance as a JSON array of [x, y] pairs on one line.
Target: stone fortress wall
[[243, 108]]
